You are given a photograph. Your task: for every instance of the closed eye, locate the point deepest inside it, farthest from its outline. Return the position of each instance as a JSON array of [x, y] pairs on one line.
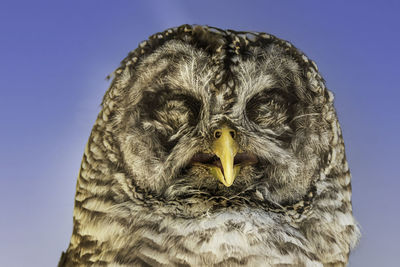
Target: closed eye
[[160, 105], [169, 112], [270, 107]]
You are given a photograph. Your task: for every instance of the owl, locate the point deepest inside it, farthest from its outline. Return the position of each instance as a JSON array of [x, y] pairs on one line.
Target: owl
[[214, 148]]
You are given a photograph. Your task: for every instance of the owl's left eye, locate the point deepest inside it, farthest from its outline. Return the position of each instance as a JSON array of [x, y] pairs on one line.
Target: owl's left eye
[[268, 108]]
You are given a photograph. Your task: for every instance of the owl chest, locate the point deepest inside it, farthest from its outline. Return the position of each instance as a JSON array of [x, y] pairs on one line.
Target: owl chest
[[201, 246], [233, 239]]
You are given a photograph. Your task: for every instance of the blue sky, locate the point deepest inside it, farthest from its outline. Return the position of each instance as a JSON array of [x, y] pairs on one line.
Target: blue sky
[[55, 55]]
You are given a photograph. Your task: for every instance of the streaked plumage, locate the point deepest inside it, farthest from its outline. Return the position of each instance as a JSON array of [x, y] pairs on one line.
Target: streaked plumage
[[212, 148]]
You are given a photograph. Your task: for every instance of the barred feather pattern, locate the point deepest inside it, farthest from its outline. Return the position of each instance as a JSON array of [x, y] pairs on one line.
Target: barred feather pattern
[[138, 203]]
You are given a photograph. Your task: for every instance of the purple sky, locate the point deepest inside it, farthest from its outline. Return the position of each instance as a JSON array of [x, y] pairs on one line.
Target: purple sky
[[54, 58]]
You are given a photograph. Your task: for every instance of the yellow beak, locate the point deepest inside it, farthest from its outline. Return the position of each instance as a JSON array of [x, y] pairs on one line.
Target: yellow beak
[[226, 148]]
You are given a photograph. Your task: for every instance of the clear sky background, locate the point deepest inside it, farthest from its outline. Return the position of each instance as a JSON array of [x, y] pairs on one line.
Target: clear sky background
[[55, 55]]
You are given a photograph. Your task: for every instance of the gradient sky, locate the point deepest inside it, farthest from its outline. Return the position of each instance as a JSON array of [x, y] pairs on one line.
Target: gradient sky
[[55, 55]]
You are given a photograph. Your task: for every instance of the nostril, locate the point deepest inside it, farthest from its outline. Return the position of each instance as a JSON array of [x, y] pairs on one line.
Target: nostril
[[232, 133], [217, 134]]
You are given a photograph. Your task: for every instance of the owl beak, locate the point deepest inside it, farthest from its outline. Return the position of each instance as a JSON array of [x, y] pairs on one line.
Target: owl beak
[[225, 148]]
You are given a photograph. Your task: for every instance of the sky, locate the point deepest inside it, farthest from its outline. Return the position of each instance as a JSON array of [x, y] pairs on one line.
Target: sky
[[55, 55]]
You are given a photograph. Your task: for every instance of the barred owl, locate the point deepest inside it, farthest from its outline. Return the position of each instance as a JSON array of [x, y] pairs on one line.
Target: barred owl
[[214, 148]]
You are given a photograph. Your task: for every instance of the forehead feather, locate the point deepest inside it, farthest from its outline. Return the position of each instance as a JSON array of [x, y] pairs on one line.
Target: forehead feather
[[201, 59], [177, 65]]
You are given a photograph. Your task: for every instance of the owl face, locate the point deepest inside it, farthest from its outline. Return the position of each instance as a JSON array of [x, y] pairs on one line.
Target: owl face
[[191, 125], [214, 147]]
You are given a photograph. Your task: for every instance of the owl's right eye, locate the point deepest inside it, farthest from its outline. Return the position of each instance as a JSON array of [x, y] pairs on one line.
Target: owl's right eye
[[167, 112], [171, 110]]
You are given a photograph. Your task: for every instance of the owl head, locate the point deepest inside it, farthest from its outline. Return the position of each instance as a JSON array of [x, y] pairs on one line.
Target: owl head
[[229, 138], [201, 112]]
